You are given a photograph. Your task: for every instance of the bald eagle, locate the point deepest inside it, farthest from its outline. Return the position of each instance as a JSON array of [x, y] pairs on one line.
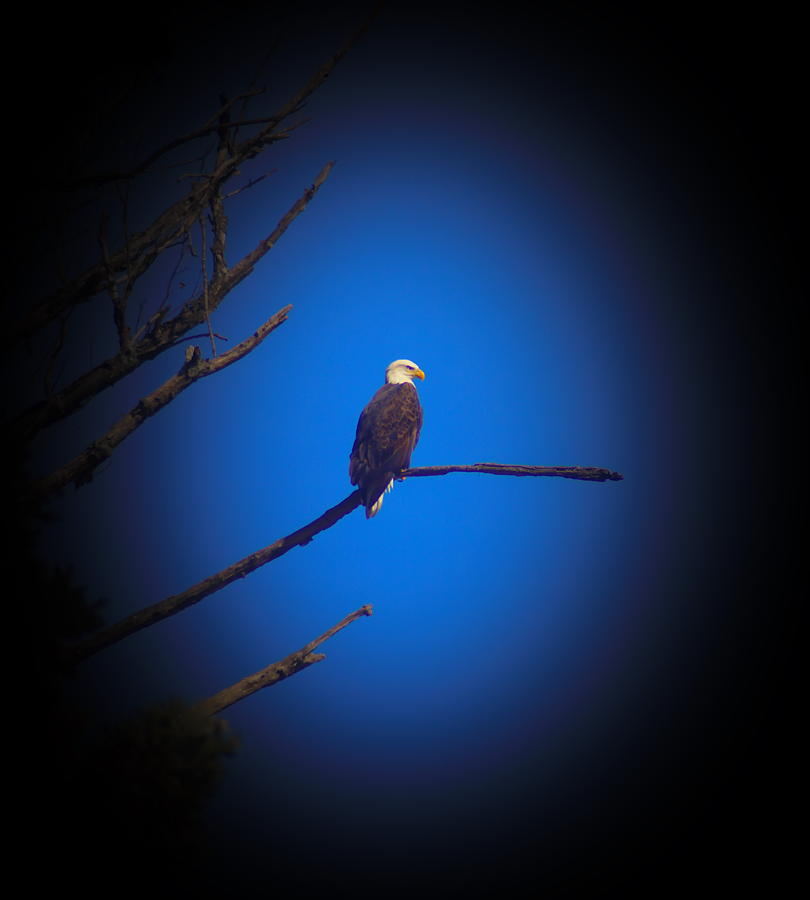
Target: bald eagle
[[387, 432]]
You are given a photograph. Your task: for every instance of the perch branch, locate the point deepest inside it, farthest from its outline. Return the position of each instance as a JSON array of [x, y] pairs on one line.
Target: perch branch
[[277, 671], [80, 470], [582, 473], [175, 604]]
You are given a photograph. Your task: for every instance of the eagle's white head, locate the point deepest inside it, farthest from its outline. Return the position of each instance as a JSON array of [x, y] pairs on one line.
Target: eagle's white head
[[402, 370]]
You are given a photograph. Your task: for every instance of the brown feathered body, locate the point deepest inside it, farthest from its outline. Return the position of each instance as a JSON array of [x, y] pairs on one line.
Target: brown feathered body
[[387, 432]]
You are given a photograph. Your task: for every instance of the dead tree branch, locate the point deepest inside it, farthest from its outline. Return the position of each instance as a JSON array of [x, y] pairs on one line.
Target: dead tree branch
[[581, 473], [204, 272], [143, 248], [210, 127], [80, 470], [245, 265], [277, 671], [163, 335], [219, 221], [175, 604]]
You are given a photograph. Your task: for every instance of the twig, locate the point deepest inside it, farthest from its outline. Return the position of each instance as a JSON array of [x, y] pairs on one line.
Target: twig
[[210, 127], [219, 221], [175, 604], [51, 376], [119, 302], [194, 337], [277, 671], [250, 184], [204, 267], [80, 470]]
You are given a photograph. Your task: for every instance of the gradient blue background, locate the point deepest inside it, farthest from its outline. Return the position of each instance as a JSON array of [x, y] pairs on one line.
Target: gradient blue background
[[555, 680]]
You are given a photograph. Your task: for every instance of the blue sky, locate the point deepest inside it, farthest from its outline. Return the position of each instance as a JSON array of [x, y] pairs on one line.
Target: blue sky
[[524, 220]]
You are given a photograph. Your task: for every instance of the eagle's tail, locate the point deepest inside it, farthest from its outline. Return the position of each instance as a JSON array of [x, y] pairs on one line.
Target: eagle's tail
[[376, 506]]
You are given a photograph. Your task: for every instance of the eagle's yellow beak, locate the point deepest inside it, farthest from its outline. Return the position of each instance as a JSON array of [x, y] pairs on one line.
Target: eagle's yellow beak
[[419, 374]]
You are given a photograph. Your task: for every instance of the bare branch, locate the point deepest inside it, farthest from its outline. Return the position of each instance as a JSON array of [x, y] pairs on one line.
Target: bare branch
[[581, 473], [119, 303], [180, 216], [175, 604], [210, 127], [51, 375], [162, 335], [249, 184], [219, 221], [204, 269], [245, 265], [253, 145], [194, 337], [277, 671], [80, 470]]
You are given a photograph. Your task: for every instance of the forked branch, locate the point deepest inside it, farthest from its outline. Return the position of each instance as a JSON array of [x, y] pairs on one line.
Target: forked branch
[[175, 221], [277, 671], [80, 469], [164, 334]]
